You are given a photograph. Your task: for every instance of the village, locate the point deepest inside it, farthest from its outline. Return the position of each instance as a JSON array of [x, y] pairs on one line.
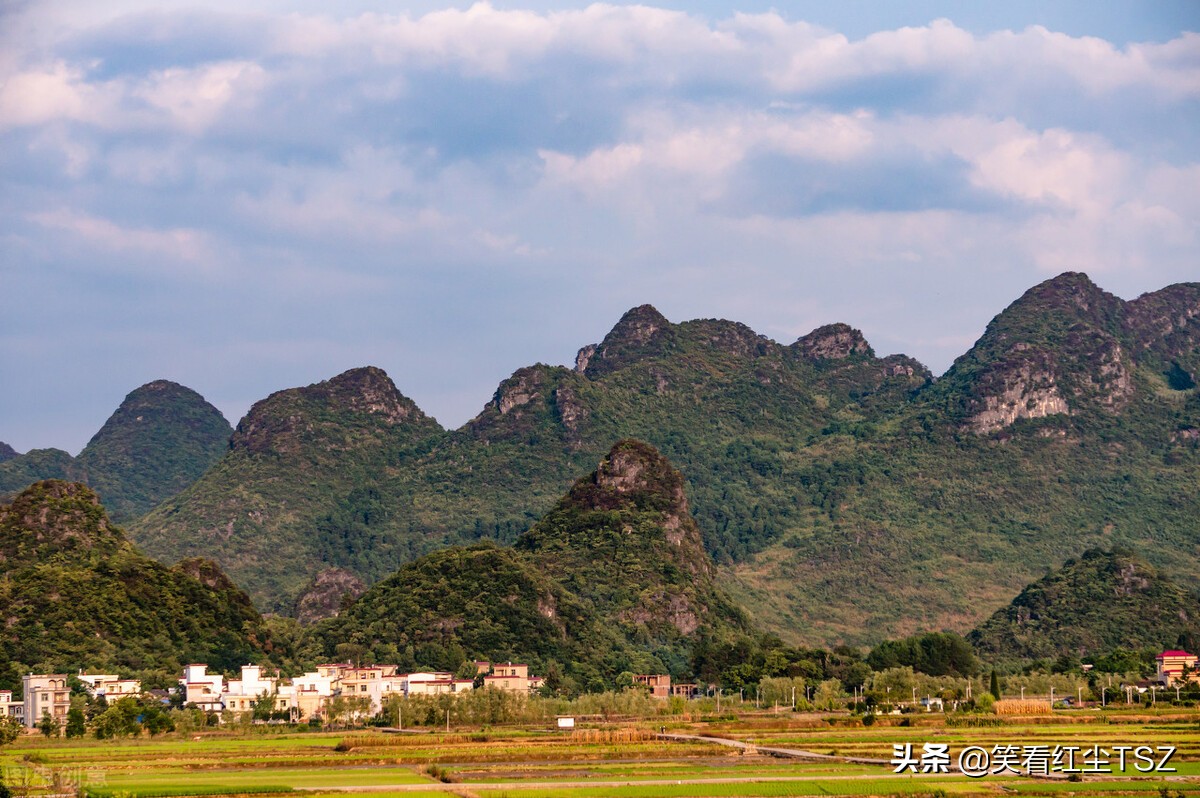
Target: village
[[363, 690], [357, 693]]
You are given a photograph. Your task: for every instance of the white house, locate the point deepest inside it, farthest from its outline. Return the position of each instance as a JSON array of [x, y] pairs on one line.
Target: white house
[[202, 688]]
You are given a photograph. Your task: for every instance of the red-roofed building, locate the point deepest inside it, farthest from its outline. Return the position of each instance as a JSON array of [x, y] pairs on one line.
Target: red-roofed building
[[1176, 666]]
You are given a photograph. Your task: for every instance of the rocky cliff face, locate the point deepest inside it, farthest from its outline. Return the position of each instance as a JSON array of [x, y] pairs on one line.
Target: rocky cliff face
[[624, 539], [288, 421], [329, 592], [1163, 328], [1067, 347], [520, 389], [833, 342], [640, 331]]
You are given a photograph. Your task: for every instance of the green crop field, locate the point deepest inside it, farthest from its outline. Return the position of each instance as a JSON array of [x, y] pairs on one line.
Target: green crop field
[[609, 761]]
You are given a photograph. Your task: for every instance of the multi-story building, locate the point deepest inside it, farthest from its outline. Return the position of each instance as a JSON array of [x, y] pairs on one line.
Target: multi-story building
[[687, 690], [10, 708], [312, 691], [203, 689], [240, 695], [45, 694], [659, 684], [110, 686], [435, 683], [1176, 666], [373, 682], [514, 678]]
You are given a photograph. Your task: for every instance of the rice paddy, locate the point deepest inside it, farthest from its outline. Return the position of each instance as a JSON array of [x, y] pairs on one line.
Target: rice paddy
[[752, 755]]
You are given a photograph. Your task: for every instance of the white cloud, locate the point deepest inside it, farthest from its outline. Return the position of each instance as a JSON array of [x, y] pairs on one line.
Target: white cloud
[[193, 99], [50, 93], [171, 245], [469, 161]]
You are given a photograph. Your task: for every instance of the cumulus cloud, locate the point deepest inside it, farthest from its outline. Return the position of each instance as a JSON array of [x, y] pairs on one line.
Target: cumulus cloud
[[468, 167]]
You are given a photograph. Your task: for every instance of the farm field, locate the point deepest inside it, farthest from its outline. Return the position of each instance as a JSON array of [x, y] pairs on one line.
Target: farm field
[[725, 758]]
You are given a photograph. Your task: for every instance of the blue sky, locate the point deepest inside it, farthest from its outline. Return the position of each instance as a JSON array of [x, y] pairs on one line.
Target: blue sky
[[249, 196]]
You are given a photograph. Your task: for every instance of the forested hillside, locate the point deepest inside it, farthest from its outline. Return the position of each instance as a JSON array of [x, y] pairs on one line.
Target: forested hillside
[[76, 594], [160, 440], [844, 497], [614, 578], [1094, 604]]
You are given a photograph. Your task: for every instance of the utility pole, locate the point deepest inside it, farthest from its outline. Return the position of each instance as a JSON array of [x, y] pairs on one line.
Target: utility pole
[[793, 698]]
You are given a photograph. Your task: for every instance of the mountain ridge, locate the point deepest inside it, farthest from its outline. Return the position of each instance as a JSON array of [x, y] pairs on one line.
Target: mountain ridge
[[159, 440], [826, 482]]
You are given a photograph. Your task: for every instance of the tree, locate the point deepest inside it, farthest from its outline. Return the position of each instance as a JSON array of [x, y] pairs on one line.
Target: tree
[[995, 686], [264, 705], [354, 653], [829, 694], [10, 729], [156, 720], [76, 725], [932, 653], [49, 725]]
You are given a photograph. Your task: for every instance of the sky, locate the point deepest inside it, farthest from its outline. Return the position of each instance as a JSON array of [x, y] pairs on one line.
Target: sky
[[249, 196]]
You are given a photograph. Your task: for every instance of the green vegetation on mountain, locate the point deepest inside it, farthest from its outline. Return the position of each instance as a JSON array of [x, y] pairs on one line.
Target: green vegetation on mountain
[[160, 440], [296, 492], [718, 399], [844, 497], [615, 578], [22, 470], [1002, 469], [1093, 605], [75, 593]]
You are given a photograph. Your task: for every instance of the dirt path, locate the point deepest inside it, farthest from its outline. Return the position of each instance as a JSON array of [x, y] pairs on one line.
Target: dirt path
[[463, 789], [790, 753]]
